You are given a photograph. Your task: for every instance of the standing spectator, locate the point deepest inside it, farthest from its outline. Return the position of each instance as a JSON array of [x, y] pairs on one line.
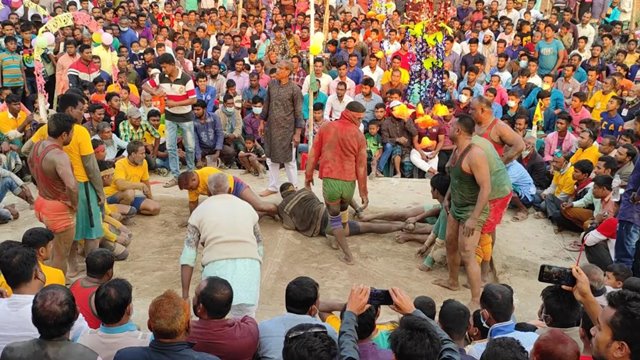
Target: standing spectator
[[215, 334], [281, 126], [181, 95], [629, 225], [550, 52]]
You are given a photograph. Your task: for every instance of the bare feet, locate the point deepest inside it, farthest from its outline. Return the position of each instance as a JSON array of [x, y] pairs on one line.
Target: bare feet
[[14, 212], [332, 242], [379, 174], [267, 192], [346, 259], [540, 215], [482, 284], [409, 227], [473, 305], [402, 238], [423, 267], [397, 176], [447, 284], [520, 216]]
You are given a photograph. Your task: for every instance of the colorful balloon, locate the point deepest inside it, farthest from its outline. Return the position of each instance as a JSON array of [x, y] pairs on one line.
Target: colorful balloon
[[107, 39], [315, 48], [50, 38], [16, 3], [41, 42], [318, 37], [97, 37]]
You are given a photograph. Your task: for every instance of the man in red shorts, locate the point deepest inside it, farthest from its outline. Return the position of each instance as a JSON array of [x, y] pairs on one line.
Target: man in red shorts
[[57, 187], [507, 145]]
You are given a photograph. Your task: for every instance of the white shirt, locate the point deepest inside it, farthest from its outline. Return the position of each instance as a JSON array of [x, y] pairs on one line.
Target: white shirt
[[376, 75], [514, 15], [535, 14], [335, 107], [586, 54], [535, 80], [625, 10], [587, 31], [15, 313], [325, 80], [351, 86]]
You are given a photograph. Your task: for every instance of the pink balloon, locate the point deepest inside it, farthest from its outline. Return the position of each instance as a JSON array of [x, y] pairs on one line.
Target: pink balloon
[[16, 3], [107, 39], [51, 39]]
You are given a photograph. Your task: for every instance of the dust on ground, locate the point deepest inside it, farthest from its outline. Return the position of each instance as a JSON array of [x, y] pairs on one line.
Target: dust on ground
[[153, 263]]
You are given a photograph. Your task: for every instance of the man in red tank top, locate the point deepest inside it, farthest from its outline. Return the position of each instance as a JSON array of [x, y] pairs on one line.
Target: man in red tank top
[[99, 270], [508, 145], [57, 187]]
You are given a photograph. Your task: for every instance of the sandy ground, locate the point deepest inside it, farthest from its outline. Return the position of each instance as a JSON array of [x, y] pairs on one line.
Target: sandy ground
[[153, 265]]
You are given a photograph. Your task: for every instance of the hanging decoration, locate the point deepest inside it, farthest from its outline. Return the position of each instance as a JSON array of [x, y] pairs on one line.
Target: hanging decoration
[[426, 85]]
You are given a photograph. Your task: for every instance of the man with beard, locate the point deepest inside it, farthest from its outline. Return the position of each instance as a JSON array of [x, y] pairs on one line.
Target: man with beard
[[131, 174], [214, 78]]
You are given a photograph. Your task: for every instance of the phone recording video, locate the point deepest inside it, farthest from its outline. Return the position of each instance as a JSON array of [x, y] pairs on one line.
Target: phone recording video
[[380, 297], [556, 275]]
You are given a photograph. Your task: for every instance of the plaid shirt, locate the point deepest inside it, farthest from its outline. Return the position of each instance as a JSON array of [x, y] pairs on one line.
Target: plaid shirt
[[128, 133], [298, 76]]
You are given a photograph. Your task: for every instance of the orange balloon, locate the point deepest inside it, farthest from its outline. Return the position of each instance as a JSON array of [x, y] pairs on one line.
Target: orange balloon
[[426, 143]]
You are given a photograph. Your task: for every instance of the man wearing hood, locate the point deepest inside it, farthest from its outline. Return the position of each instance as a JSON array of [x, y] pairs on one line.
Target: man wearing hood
[[341, 151]]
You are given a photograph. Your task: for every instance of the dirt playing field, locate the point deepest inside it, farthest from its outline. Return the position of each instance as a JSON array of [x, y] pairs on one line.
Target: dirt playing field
[[153, 265]]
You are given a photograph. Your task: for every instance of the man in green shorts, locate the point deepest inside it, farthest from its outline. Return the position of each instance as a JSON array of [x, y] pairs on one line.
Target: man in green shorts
[[341, 151], [466, 201]]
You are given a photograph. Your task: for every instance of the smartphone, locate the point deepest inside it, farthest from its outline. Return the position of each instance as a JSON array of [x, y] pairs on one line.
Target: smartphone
[[380, 297], [556, 275]]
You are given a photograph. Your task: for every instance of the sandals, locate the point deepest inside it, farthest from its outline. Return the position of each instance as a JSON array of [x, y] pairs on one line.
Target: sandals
[[573, 246], [520, 216]]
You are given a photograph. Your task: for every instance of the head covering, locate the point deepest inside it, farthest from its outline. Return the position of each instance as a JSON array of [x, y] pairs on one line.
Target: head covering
[[356, 107], [394, 103]]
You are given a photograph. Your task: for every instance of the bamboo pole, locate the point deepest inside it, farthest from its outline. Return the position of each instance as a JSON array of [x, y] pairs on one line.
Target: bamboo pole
[[325, 24], [239, 9], [312, 29]]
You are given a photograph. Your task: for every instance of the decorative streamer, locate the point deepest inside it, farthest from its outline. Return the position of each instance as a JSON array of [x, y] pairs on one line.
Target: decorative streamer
[[39, 9]]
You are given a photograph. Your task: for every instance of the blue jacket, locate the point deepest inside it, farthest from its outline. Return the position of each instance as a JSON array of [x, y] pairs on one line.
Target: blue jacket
[[208, 135], [127, 37]]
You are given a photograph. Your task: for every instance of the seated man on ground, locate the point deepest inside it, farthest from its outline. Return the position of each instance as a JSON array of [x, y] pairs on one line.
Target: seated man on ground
[[560, 310], [99, 270], [40, 240], [114, 308], [454, 319], [615, 276], [169, 323], [23, 274], [213, 332], [301, 302], [308, 341], [11, 182], [196, 182], [302, 211], [253, 156], [132, 174], [54, 314]]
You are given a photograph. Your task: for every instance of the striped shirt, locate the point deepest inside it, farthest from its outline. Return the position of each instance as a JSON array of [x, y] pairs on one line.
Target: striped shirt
[[180, 89], [11, 64]]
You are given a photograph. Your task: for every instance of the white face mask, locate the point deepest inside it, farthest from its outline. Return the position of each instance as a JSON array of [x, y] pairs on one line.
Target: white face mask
[[511, 103], [526, 153], [463, 98], [523, 63], [257, 111]]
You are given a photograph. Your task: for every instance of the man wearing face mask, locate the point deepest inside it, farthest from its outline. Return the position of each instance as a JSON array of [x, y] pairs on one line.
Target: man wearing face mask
[[127, 35], [463, 101], [231, 121], [534, 163]]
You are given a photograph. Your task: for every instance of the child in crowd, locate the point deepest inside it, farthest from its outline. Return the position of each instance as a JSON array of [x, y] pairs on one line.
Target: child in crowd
[[434, 246], [253, 156], [615, 275], [374, 145]]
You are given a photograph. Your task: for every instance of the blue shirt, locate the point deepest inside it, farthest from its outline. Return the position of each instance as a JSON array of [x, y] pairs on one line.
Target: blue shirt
[[369, 106], [521, 181], [320, 98], [209, 96], [629, 211], [610, 125], [127, 37], [249, 93], [355, 75], [505, 329], [580, 75], [272, 333], [477, 88], [497, 110], [208, 135], [548, 54], [163, 351]]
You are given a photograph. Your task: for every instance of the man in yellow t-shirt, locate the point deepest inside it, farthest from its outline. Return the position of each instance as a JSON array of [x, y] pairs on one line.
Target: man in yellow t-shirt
[[599, 100], [395, 65], [587, 148], [41, 241], [197, 183], [131, 174], [562, 186], [13, 121]]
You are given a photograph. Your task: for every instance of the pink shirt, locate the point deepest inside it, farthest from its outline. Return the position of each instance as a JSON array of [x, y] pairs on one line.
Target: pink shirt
[[576, 117]]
